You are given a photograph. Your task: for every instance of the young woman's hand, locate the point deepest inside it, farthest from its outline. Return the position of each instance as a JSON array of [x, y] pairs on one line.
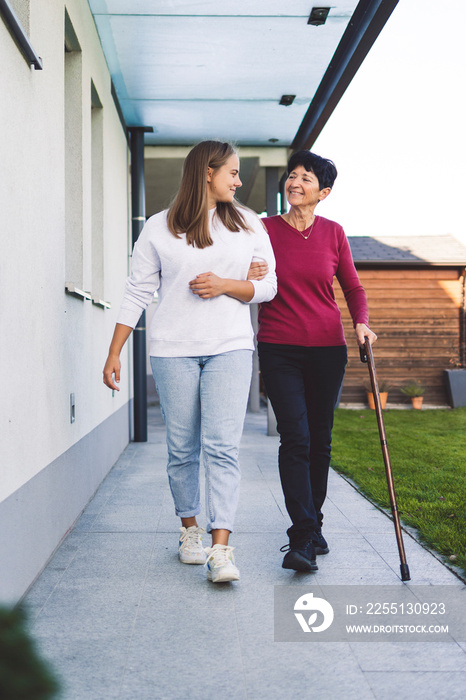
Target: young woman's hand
[[363, 331], [258, 270], [112, 368], [208, 285], [113, 364]]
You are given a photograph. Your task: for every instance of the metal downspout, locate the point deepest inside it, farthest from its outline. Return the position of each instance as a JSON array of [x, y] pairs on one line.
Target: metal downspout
[[271, 190], [281, 189], [272, 186], [138, 208]]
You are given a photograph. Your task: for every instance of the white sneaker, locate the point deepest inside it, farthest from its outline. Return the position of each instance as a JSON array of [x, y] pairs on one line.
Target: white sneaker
[[190, 549], [220, 564]]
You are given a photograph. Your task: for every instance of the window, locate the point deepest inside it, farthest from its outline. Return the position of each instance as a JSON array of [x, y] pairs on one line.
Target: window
[[97, 195], [73, 158]]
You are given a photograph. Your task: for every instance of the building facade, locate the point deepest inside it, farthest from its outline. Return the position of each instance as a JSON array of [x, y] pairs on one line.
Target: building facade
[[64, 220]]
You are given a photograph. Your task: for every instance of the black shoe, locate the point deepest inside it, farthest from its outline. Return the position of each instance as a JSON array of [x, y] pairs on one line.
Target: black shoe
[[300, 557], [319, 542]]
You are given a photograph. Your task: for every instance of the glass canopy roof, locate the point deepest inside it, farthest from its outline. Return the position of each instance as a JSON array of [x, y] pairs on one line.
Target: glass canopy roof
[[217, 69]]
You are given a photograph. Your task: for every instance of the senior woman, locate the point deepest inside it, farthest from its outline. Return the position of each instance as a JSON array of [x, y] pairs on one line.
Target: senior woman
[[302, 347]]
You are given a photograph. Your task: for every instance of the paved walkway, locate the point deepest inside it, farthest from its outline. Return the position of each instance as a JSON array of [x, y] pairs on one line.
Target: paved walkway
[[119, 617]]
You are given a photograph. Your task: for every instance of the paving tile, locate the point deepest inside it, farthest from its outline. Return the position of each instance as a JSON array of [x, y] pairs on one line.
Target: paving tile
[[371, 523], [89, 668], [139, 495], [358, 576], [405, 685], [386, 542], [409, 656], [184, 657], [127, 518], [266, 522], [53, 573], [423, 567], [86, 521], [295, 670]]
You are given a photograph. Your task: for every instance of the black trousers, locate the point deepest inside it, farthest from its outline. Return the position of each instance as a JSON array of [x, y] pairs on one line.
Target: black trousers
[[303, 384]]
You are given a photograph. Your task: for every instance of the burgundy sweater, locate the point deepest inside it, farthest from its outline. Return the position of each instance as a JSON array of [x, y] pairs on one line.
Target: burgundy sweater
[[304, 311]]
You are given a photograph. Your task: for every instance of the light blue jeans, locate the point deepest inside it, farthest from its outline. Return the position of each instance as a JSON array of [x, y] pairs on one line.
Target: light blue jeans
[[203, 402]]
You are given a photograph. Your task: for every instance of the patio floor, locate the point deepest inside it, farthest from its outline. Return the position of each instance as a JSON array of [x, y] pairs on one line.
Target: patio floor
[[118, 616]]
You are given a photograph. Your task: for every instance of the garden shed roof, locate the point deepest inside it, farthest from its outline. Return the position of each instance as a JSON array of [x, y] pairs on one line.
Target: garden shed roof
[[408, 250]]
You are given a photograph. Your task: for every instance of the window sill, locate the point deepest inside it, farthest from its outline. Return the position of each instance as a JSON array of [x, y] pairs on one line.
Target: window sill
[[77, 293]]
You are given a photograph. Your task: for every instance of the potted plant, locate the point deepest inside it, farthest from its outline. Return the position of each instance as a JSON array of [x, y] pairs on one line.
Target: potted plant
[[384, 388], [415, 390]]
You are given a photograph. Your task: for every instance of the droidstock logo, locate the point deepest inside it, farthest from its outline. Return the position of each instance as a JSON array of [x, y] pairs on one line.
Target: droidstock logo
[[312, 605]]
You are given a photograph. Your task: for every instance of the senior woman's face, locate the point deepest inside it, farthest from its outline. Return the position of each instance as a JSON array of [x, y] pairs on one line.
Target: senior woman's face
[[302, 188]]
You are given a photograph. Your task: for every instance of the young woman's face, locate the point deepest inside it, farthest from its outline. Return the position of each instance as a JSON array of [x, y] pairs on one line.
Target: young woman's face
[[302, 188], [222, 183]]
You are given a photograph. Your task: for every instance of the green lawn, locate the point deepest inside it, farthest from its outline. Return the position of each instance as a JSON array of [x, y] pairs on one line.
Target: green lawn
[[428, 456]]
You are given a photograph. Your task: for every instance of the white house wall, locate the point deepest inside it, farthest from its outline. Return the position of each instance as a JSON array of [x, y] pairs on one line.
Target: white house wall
[[54, 344]]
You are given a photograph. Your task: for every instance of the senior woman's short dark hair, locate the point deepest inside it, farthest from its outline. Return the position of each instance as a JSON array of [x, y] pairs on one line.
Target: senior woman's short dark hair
[[323, 168]]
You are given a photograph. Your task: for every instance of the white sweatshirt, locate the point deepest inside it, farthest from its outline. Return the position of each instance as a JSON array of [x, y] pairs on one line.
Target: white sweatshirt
[[184, 325]]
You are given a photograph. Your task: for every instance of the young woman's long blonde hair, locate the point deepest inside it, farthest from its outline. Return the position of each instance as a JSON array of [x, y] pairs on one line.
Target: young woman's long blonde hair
[[189, 212]]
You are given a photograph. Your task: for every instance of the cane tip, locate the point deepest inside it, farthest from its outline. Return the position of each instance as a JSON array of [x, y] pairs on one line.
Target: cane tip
[[405, 572]]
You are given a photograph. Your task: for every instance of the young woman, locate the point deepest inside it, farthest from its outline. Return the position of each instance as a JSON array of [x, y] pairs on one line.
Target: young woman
[[197, 256]]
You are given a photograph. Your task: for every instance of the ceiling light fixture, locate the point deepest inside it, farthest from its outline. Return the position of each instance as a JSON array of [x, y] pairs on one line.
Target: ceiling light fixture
[[318, 16], [287, 100]]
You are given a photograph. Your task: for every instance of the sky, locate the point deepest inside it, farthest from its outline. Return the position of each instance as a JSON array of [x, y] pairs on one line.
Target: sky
[[398, 135]]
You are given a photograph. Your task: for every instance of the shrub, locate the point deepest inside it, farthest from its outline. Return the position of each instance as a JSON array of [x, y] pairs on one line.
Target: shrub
[[382, 384], [23, 673], [413, 389]]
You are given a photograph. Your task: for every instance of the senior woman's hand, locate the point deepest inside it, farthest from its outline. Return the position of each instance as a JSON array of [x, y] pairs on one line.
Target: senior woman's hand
[[258, 270], [362, 331]]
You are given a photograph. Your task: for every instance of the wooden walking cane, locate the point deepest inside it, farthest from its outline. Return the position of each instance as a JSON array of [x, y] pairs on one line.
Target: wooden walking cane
[[367, 356]]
